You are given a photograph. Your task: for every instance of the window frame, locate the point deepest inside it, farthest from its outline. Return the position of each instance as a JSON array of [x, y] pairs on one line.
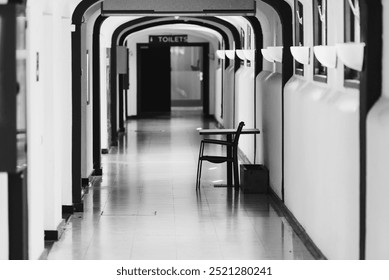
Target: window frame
[[352, 33], [320, 37], [298, 34]]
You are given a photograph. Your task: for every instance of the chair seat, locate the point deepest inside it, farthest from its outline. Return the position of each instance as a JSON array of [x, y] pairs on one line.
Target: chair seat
[[216, 141], [216, 159]]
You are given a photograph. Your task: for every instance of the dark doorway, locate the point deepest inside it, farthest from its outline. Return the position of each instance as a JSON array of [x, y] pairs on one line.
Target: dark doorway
[[157, 75], [153, 79]]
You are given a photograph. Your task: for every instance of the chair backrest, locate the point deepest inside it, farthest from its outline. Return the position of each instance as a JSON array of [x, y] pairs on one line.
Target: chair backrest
[[238, 132]]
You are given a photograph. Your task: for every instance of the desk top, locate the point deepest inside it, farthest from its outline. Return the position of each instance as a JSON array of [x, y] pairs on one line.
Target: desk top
[[225, 131]]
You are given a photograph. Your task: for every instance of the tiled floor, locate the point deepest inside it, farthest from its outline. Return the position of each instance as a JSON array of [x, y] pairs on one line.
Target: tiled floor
[[145, 206]]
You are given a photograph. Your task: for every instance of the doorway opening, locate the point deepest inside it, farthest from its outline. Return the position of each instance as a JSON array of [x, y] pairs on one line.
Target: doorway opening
[[172, 77]]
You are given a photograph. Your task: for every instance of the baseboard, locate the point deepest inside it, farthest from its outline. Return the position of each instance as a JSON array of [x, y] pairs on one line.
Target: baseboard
[[84, 182], [51, 235], [282, 210], [97, 172], [78, 207], [55, 235], [187, 103], [67, 209]]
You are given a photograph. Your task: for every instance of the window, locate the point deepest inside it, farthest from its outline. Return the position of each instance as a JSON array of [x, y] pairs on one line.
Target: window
[[352, 33], [319, 37], [248, 43], [243, 43], [299, 34], [219, 61]]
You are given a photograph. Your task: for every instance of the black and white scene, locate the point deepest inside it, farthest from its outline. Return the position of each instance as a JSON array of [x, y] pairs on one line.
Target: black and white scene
[[194, 130]]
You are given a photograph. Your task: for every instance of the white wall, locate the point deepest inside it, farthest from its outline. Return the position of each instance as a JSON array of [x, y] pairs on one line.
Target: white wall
[[245, 106], [52, 191], [322, 151], [377, 245], [269, 104], [48, 117], [65, 101], [104, 63], [218, 89], [35, 181], [269, 88], [228, 90], [241, 94]]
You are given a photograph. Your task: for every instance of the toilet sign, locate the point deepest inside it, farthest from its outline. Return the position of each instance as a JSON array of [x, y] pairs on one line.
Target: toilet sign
[[168, 39]]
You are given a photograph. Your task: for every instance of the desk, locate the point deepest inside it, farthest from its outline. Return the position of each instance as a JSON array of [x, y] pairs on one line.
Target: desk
[[229, 132]]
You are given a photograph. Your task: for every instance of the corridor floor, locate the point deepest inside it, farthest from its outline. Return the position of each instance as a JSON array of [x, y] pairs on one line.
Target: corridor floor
[[145, 206]]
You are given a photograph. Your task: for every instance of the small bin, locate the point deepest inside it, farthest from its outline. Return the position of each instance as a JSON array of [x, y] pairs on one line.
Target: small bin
[[254, 178]]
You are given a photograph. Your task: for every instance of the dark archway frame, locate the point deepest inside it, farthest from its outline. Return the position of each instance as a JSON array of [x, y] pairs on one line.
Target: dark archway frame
[[96, 69], [77, 20], [124, 30], [284, 12], [97, 169], [370, 91]]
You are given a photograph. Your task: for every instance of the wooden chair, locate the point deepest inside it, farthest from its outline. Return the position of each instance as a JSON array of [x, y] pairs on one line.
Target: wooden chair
[[233, 158]]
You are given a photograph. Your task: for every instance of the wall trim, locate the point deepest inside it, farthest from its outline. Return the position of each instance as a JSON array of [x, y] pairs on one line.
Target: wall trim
[[85, 182], [283, 211], [55, 235], [67, 209], [78, 207]]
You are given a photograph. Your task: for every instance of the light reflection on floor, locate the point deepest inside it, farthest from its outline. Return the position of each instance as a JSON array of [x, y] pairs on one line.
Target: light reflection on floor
[[146, 207]]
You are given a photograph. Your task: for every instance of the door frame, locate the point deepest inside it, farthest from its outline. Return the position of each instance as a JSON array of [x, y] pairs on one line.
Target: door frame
[[205, 84]]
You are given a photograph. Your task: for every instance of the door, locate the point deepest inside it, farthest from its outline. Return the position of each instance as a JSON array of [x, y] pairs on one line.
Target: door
[[153, 79], [187, 76]]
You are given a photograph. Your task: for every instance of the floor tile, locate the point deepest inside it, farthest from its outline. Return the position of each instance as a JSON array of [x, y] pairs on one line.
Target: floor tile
[[146, 206]]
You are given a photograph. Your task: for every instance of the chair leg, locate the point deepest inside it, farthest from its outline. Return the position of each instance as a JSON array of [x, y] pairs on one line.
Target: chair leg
[[236, 173], [199, 165], [198, 173]]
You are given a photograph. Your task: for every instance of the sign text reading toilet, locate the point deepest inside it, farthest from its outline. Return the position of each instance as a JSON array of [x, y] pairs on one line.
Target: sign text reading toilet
[[168, 39]]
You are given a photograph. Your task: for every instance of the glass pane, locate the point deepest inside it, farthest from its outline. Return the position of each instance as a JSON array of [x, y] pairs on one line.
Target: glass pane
[[320, 35], [186, 76], [299, 34], [352, 33], [21, 106]]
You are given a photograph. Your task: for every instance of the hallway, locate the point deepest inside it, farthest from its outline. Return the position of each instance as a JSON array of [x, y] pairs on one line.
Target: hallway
[[145, 206]]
